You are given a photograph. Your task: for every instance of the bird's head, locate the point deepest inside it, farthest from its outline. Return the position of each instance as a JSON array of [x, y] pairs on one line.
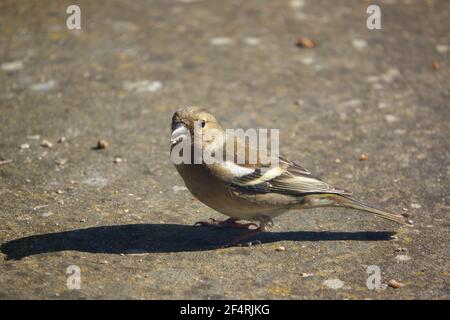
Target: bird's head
[[195, 122]]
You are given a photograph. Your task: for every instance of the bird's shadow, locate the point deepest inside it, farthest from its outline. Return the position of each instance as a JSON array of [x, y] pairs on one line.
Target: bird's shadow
[[159, 238]]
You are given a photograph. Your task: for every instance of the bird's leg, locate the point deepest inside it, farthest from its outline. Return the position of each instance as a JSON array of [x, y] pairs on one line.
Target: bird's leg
[[228, 223], [265, 225]]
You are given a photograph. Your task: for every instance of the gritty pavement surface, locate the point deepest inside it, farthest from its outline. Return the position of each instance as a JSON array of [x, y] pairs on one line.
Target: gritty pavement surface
[[122, 215]]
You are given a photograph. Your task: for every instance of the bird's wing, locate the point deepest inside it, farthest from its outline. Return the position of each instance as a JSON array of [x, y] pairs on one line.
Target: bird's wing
[[285, 177], [296, 179]]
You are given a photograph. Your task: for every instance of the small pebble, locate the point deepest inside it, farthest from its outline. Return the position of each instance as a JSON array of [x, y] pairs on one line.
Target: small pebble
[[252, 41], [12, 66], [59, 191], [143, 86], [307, 60], [62, 139], [415, 206], [442, 48], [83, 220], [306, 274], [377, 86], [402, 258], [435, 65], [61, 162], [280, 248], [394, 284], [102, 144], [117, 160], [401, 250], [24, 146], [220, 41], [421, 156], [334, 284], [359, 43], [46, 144], [400, 131], [43, 86], [104, 262], [5, 161], [40, 207], [363, 157], [305, 42], [391, 118], [47, 214], [179, 188], [297, 3]]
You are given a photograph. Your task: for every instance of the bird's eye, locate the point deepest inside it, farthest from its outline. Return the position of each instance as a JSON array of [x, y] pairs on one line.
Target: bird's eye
[[203, 123]]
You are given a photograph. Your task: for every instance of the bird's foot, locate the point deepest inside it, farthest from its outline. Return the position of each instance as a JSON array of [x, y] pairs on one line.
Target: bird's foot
[[266, 224], [228, 223]]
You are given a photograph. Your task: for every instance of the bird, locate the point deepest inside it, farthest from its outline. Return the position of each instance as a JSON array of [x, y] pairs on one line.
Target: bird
[[255, 192]]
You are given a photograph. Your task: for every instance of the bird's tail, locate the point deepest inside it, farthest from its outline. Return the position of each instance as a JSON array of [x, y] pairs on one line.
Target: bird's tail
[[349, 202], [338, 200]]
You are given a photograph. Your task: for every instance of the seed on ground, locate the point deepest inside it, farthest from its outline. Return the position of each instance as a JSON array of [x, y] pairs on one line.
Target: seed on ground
[[46, 144], [102, 144], [305, 42], [394, 284], [435, 65], [363, 157]]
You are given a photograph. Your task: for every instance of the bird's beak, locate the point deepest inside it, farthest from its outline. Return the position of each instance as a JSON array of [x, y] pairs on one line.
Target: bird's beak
[[179, 133]]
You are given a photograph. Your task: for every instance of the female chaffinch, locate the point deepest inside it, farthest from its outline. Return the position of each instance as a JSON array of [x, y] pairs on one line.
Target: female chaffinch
[[246, 190]]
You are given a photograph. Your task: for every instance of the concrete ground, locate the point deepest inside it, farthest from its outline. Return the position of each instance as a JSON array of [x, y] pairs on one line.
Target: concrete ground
[[122, 214]]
